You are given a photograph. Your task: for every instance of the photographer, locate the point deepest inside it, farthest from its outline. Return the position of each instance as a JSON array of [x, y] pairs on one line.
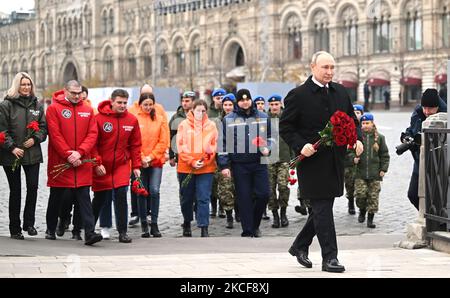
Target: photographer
[[431, 104]]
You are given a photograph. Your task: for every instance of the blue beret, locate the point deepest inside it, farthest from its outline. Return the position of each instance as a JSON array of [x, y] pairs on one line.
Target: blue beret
[[229, 97], [259, 98], [218, 92], [358, 108], [366, 117], [275, 97]]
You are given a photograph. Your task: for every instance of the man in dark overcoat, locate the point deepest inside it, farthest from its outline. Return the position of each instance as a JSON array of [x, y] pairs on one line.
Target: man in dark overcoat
[[321, 175]]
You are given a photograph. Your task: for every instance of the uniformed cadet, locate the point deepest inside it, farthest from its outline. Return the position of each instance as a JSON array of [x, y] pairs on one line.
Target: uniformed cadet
[[246, 139], [279, 170], [215, 114], [260, 103], [372, 166], [350, 168], [225, 185]]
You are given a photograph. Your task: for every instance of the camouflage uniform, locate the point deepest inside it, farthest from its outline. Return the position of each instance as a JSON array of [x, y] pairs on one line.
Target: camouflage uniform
[[279, 176], [367, 178], [225, 189], [349, 174]]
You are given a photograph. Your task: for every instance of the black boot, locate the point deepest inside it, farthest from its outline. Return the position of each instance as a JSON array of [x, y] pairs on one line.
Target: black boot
[[123, 238], [221, 212], [284, 219], [362, 215], [237, 217], [154, 231], [229, 219], [76, 235], [370, 221], [351, 206], [302, 208], [205, 232], [265, 217], [213, 208], [187, 229], [144, 226], [276, 219], [61, 227]]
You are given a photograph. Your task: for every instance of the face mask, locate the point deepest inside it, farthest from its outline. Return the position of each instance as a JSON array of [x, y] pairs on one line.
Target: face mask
[[198, 115]]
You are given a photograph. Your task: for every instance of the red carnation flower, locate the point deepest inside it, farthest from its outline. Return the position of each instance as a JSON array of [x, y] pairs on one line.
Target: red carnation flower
[[259, 142], [2, 138], [33, 125]]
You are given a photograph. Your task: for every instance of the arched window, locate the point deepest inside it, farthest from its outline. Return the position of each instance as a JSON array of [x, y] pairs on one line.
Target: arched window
[[5, 77], [111, 21], [33, 69], [413, 26], [163, 58], [109, 65], [147, 60], [105, 22], [131, 62], [42, 34], [195, 55], [446, 27], [321, 33], [381, 34], [180, 57], [350, 31], [294, 38], [24, 66]]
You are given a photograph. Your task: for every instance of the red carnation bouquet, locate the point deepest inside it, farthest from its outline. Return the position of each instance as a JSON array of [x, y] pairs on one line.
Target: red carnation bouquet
[[340, 131], [32, 128], [259, 142], [61, 168], [138, 188], [2, 138]]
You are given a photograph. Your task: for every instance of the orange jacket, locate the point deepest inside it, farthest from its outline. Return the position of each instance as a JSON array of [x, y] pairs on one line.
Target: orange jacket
[[159, 109], [196, 142], [155, 139]]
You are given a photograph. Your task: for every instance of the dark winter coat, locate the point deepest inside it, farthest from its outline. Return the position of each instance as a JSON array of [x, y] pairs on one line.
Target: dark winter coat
[[308, 109], [15, 115]]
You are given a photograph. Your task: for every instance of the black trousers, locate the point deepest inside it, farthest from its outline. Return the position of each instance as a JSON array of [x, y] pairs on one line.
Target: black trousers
[[65, 213], [413, 190], [251, 181], [15, 196], [82, 196], [120, 206], [321, 223]]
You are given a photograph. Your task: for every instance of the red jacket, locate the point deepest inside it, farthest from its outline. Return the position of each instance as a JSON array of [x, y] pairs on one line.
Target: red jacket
[[70, 127], [118, 143]]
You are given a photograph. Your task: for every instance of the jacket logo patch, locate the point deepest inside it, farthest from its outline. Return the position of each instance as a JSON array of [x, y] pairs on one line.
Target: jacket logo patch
[[128, 128], [84, 114], [107, 127], [66, 114], [35, 113]]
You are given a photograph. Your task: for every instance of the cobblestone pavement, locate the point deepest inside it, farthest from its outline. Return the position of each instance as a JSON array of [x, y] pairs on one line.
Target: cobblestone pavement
[[395, 210]]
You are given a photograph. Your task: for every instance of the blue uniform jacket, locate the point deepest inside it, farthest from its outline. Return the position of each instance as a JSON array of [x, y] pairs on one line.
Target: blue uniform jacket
[[238, 132]]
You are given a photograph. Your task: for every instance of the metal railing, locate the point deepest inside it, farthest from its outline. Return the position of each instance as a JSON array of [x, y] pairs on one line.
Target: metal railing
[[436, 181]]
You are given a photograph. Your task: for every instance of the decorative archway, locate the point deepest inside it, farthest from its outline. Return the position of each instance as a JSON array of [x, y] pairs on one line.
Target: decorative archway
[[70, 72]]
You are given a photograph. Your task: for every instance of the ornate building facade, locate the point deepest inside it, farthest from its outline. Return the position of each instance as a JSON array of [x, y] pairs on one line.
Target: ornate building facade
[[397, 45]]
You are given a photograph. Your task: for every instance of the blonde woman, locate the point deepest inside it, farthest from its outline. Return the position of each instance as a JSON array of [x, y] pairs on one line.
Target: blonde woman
[[17, 111]]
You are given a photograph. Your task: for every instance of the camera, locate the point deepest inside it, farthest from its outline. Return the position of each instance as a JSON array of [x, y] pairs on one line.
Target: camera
[[408, 143]]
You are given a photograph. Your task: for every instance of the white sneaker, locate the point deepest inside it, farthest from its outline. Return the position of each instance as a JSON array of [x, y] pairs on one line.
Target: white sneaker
[[106, 234]]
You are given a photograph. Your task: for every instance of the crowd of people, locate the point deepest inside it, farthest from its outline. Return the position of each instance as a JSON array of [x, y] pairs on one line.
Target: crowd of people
[[229, 155]]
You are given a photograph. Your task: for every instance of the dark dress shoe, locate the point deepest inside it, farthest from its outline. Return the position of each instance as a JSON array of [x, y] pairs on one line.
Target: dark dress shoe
[[76, 236], [205, 232], [154, 230], [257, 233], [17, 236], [333, 265], [302, 257], [50, 235], [123, 238], [93, 238], [187, 232], [32, 231], [60, 228], [246, 234]]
